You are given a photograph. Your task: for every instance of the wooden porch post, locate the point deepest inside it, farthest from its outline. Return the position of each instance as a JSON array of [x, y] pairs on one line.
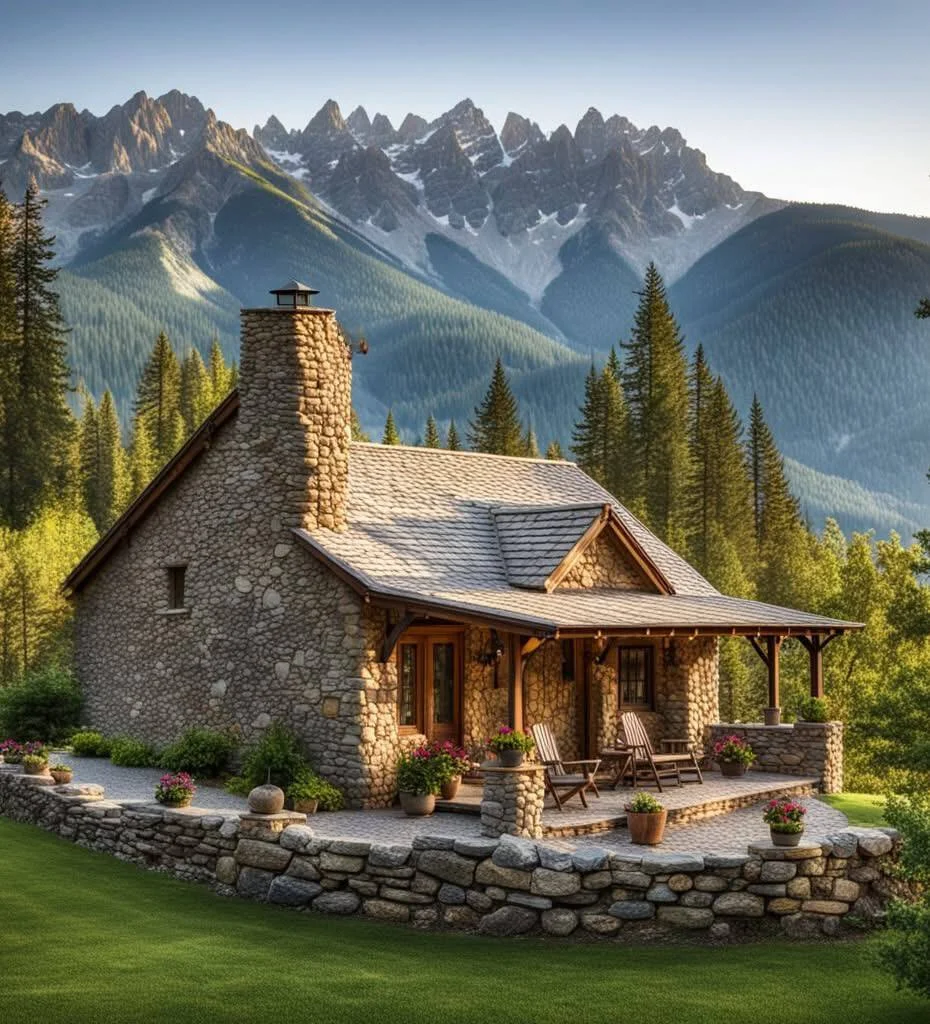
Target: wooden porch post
[[815, 650], [516, 682], [772, 648]]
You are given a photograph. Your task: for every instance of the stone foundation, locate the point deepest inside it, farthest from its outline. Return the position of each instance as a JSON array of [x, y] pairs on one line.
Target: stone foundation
[[805, 748], [512, 801], [496, 886]]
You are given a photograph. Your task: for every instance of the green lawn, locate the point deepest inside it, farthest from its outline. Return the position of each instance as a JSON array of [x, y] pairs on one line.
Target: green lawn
[[84, 937], [865, 809]]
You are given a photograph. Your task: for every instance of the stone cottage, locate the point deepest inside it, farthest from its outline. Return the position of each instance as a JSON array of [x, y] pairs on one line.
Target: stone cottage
[[369, 596]]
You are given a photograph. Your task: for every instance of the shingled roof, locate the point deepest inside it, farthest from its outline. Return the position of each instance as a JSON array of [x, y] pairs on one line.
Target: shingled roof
[[477, 537]]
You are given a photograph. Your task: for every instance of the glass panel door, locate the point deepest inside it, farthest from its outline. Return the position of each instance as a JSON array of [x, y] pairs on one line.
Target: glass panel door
[[443, 665]]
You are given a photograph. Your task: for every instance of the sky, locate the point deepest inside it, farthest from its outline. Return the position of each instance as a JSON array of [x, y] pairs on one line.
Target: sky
[[823, 100]]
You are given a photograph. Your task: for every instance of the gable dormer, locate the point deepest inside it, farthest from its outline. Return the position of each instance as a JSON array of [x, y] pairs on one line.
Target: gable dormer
[[573, 547]]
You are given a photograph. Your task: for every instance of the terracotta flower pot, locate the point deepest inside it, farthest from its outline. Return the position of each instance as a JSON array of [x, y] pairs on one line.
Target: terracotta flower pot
[[510, 758], [648, 828], [185, 802], [418, 805], [35, 769], [785, 838], [732, 769], [306, 806], [451, 787], [62, 778]]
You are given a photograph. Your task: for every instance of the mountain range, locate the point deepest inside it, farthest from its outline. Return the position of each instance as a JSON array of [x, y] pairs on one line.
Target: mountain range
[[448, 242]]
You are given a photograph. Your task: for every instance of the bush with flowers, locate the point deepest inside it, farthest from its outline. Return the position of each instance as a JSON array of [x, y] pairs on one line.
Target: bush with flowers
[[419, 772], [175, 789], [11, 751], [511, 739], [734, 750], [451, 760], [784, 815]]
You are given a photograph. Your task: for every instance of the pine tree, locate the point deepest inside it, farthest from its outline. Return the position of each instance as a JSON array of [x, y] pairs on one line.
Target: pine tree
[[196, 394], [496, 427], [782, 541], [554, 451], [38, 424], [655, 385], [453, 443], [356, 427], [158, 400], [142, 461], [113, 480], [222, 377], [530, 444], [390, 435], [431, 438], [588, 433], [9, 362]]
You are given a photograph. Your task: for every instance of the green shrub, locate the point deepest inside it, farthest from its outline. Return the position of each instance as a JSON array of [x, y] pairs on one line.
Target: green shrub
[[87, 743], [276, 758], [905, 947], [129, 753], [44, 705], [814, 709], [310, 786], [202, 753]]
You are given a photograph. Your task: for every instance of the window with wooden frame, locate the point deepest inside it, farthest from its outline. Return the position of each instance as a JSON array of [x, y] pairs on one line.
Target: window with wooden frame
[[429, 683], [176, 578], [635, 677]]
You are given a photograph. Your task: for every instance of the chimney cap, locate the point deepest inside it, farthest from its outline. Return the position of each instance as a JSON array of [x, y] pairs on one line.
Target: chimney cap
[[293, 294]]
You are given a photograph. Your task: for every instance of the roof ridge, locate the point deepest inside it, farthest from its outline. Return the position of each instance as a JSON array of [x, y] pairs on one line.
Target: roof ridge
[[575, 506], [423, 450]]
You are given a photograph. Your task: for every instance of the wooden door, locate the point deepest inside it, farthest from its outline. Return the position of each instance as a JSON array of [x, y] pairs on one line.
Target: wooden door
[[430, 676]]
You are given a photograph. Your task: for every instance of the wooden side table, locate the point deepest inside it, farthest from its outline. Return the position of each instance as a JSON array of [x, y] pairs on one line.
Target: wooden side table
[[621, 758]]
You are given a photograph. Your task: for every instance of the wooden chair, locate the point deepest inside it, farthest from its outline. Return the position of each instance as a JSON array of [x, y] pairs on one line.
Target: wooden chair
[[561, 784], [648, 764]]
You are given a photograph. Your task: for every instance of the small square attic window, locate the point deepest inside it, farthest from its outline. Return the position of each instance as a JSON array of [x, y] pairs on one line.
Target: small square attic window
[[176, 574]]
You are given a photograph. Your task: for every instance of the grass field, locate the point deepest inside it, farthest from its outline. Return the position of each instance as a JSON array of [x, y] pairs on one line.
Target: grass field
[[84, 937], [865, 809]]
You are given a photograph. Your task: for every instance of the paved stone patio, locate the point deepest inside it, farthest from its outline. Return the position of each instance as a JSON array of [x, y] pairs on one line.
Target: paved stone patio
[[725, 833]]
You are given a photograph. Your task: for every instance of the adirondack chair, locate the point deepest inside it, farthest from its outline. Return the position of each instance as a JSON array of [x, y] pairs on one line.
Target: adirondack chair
[[648, 764], [561, 784]]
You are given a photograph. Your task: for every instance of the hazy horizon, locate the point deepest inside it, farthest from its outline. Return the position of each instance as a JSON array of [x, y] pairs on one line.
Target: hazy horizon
[[817, 102]]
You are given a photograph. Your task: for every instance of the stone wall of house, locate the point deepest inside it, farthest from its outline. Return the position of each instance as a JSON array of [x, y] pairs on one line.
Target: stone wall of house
[[805, 748], [549, 699], [496, 886], [603, 564], [266, 633], [485, 691]]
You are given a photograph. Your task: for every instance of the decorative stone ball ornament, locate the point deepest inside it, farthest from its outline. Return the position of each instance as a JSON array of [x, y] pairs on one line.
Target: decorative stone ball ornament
[[266, 799]]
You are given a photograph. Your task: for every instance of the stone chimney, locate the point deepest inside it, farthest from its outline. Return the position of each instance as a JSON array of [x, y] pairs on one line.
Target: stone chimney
[[295, 393]]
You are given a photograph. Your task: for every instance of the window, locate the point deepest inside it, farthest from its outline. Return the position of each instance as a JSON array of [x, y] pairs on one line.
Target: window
[[568, 661], [634, 671], [407, 689], [176, 586], [429, 684]]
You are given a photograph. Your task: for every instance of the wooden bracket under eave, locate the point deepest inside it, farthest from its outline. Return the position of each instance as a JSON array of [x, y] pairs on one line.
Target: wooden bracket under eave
[[393, 632]]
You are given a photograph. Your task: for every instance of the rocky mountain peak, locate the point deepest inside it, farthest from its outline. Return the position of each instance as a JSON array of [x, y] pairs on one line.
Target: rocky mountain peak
[[358, 123], [327, 120], [383, 132], [591, 135], [519, 133], [273, 135], [412, 127]]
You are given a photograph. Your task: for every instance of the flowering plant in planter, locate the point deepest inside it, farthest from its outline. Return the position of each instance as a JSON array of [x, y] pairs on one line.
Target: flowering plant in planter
[[644, 803], [645, 818], [175, 789], [418, 772], [11, 751], [511, 739], [35, 764], [733, 750], [451, 760], [784, 815]]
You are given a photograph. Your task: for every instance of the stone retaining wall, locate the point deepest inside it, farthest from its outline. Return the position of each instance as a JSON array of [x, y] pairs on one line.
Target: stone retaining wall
[[805, 748], [496, 886]]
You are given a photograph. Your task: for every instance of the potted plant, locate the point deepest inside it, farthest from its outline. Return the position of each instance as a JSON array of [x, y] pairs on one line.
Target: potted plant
[[452, 762], [645, 818], [511, 746], [310, 792], [813, 709], [61, 773], [11, 752], [785, 819], [734, 755], [175, 789], [35, 764], [418, 782]]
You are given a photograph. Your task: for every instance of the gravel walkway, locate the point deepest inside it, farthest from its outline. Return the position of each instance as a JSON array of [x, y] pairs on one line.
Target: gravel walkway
[[139, 783], [725, 833]]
